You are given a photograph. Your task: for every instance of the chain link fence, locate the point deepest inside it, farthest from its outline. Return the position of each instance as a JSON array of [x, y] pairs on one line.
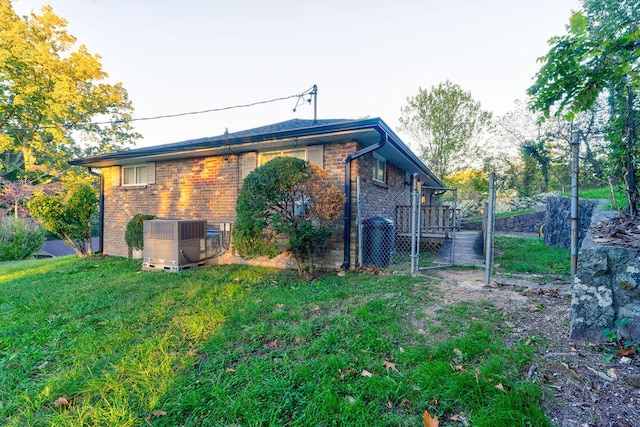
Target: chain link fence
[[413, 239]]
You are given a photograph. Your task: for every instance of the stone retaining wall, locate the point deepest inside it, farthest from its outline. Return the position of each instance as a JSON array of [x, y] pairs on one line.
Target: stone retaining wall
[[557, 225], [525, 223], [606, 289]]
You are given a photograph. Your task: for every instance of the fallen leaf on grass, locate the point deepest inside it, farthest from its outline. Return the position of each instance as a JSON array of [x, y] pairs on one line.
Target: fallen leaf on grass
[[429, 421], [156, 413], [625, 351], [390, 365], [272, 343], [230, 370], [571, 368], [458, 368], [44, 365], [458, 354], [500, 387], [101, 323], [61, 401], [366, 373], [455, 418]]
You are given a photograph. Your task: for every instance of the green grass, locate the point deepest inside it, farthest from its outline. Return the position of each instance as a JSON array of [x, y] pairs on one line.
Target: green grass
[[603, 193], [238, 345], [530, 256]]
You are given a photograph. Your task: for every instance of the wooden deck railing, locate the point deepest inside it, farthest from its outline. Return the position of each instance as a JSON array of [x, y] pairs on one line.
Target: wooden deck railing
[[434, 220]]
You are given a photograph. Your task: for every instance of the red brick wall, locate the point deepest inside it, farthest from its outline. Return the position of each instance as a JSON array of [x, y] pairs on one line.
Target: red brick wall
[[207, 188], [378, 199]]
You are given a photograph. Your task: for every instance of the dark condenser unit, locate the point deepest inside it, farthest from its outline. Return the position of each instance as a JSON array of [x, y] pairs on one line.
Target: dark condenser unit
[[174, 244]]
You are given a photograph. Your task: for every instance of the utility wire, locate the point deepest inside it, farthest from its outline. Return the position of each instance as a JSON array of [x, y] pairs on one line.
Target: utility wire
[[189, 113]]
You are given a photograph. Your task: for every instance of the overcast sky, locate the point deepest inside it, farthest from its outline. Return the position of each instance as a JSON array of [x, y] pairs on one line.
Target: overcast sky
[[366, 57]]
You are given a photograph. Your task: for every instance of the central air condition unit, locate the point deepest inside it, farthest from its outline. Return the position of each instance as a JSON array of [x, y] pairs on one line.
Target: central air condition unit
[[174, 244]]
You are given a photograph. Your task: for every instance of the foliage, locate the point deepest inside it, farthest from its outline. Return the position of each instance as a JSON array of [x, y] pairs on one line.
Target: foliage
[[134, 232], [13, 197], [619, 345], [67, 214], [444, 121], [50, 91], [537, 155], [598, 54], [286, 205], [239, 345], [20, 238], [473, 190]]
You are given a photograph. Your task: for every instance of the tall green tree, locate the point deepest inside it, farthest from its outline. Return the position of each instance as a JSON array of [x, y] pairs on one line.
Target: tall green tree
[[50, 92], [599, 53], [444, 121]]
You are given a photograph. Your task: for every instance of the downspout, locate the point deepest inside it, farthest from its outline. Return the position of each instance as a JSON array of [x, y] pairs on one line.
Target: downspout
[[101, 237], [347, 192]]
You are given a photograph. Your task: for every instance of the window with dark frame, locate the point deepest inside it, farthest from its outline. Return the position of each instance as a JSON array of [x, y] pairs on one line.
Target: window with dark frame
[[379, 169]]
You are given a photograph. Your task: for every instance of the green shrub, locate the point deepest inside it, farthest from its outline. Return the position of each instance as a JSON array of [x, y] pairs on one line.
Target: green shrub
[[67, 214], [286, 206], [20, 238], [133, 236]]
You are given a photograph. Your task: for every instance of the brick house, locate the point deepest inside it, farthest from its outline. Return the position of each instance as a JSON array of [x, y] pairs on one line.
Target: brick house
[[201, 178]]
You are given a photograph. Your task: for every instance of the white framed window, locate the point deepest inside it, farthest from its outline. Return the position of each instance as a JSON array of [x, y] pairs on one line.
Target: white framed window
[[379, 169], [134, 175], [300, 153]]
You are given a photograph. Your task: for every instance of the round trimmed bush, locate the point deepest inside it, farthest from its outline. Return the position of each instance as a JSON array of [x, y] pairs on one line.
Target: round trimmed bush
[[133, 236]]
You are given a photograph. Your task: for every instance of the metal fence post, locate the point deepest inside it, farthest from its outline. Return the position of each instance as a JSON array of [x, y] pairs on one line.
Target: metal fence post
[[414, 218], [490, 224], [575, 151]]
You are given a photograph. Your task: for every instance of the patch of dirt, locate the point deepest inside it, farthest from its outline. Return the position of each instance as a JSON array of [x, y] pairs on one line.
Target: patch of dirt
[[582, 389]]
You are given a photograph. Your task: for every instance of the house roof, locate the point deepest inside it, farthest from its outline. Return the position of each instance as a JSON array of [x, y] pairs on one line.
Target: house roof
[[291, 133]]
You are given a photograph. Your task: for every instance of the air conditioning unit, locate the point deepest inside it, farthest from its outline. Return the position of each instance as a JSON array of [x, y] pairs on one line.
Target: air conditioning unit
[[174, 244]]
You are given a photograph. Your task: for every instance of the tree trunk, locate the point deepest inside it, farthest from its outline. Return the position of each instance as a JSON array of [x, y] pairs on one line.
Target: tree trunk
[[89, 243], [632, 185]]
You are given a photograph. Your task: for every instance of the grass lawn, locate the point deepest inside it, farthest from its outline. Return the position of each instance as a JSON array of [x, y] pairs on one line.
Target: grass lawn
[[603, 193], [98, 342], [516, 255]]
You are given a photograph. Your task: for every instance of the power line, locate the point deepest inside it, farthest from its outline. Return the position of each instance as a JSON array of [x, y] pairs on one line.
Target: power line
[[189, 113]]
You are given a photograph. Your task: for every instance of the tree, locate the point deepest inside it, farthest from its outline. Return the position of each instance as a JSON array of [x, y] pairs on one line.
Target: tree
[[286, 206], [50, 92], [67, 214], [600, 53], [444, 121]]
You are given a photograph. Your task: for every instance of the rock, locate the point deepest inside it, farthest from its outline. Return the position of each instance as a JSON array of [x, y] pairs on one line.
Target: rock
[[606, 288]]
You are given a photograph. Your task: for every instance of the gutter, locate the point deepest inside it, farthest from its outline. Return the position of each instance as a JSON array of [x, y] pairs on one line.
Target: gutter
[[384, 137], [101, 237]]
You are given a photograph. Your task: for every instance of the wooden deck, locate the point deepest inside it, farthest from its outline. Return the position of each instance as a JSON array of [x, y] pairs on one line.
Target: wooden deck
[[435, 221]]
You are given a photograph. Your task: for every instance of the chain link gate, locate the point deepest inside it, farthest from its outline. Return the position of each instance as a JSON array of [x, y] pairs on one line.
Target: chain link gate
[[420, 237]]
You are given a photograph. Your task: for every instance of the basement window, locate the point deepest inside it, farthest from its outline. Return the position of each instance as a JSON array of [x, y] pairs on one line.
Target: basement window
[[134, 175], [379, 169]]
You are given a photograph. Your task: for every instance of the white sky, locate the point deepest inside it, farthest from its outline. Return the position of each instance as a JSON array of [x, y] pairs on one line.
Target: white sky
[[366, 56]]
